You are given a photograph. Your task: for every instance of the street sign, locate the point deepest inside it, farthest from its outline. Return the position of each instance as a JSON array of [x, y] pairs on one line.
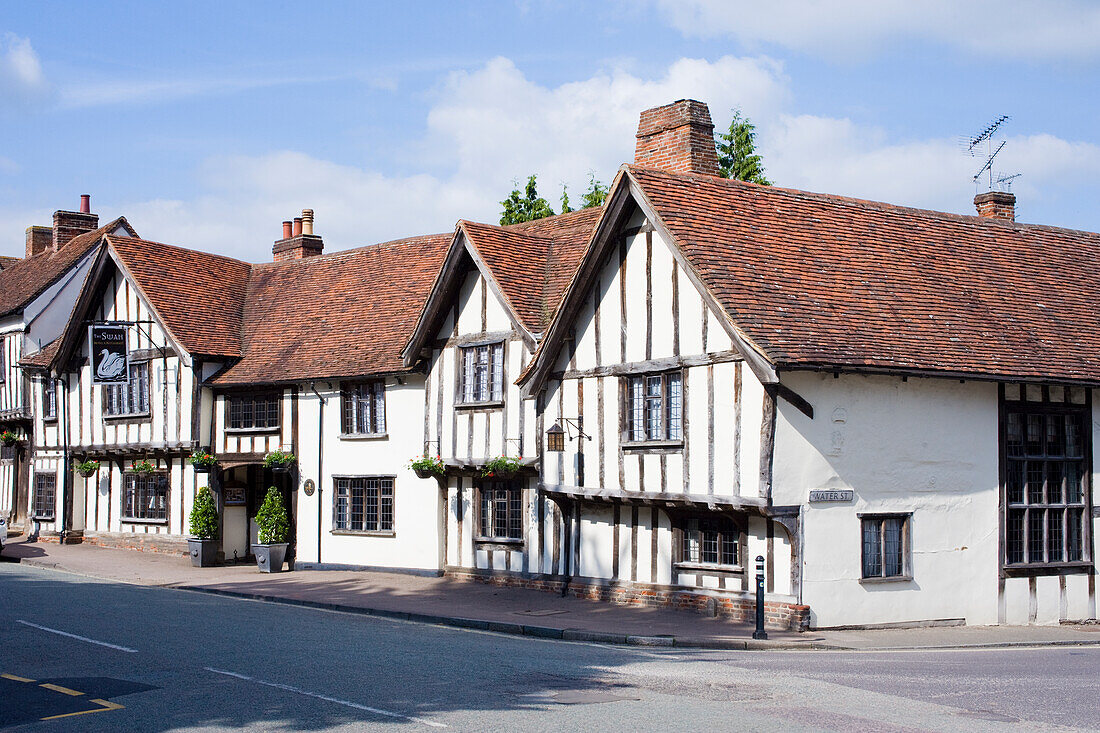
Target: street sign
[[828, 496]]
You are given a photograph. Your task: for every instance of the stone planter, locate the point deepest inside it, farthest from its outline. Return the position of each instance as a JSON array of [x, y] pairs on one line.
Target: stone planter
[[269, 558], [204, 553]]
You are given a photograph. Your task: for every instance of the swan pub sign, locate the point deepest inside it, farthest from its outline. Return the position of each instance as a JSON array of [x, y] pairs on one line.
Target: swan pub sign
[[110, 357]]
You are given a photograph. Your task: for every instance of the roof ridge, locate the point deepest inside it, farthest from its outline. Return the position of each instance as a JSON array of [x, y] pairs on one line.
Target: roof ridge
[[328, 256], [115, 237]]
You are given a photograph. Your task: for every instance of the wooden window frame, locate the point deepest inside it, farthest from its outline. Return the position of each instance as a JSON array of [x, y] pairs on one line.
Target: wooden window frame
[[635, 419], [905, 549], [736, 525], [35, 503], [127, 395], [1018, 495], [352, 399], [162, 485], [49, 399], [253, 397], [514, 514], [342, 488], [495, 382]]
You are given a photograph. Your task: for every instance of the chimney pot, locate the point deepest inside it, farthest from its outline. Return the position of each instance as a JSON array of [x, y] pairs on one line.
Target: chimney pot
[[85, 203], [996, 205], [677, 137], [307, 221], [297, 226], [286, 229]]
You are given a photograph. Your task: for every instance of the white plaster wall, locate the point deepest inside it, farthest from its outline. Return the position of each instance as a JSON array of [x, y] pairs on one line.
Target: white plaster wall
[[923, 446], [417, 536]]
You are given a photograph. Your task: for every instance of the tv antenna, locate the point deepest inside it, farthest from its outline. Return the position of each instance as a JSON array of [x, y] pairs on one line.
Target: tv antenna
[[973, 145]]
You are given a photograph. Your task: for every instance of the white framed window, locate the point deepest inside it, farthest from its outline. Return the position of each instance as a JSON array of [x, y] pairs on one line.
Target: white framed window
[[131, 398], [709, 540], [364, 408], [252, 411], [481, 378]]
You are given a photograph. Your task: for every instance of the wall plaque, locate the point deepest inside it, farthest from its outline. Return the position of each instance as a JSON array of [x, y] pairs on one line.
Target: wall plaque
[[832, 495], [108, 353], [309, 487]]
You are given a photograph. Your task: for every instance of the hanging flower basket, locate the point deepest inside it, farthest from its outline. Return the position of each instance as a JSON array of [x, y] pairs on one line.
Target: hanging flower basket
[[87, 469], [502, 467], [280, 461], [9, 438], [143, 467], [202, 461], [426, 466]]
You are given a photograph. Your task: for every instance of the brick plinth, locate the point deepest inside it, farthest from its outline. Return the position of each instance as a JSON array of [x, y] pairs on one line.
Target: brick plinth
[[170, 545], [778, 615]]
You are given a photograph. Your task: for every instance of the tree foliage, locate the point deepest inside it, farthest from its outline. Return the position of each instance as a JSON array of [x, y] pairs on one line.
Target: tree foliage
[[528, 205], [736, 148]]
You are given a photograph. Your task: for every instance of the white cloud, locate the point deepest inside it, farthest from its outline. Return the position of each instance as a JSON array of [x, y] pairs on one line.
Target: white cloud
[[1053, 29], [21, 76]]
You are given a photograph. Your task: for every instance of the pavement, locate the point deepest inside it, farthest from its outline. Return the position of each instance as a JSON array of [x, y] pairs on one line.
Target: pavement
[[519, 611]]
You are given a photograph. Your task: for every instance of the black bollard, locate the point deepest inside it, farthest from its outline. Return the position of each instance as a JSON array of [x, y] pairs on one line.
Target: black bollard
[[760, 633]]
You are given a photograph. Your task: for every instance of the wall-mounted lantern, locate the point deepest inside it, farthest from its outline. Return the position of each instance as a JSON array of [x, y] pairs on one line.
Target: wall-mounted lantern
[[555, 438]]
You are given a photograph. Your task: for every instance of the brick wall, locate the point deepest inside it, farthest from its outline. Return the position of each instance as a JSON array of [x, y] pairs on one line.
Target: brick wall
[[677, 137], [777, 615], [138, 541]]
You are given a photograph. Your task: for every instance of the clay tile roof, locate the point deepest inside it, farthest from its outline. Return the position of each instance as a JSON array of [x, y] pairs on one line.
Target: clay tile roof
[[6, 262], [534, 261], [816, 280], [41, 359], [199, 296], [26, 279], [338, 315]]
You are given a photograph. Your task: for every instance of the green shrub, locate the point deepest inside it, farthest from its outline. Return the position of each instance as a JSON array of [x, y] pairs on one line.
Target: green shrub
[[204, 515], [272, 519], [279, 459]]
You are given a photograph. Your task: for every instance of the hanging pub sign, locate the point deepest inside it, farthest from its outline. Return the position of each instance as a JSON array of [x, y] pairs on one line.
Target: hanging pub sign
[[109, 355]]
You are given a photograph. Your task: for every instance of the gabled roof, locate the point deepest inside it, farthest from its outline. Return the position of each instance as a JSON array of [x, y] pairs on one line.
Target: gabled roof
[[6, 262], [42, 358], [824, 282], [26, 279], [527, 264], [345, 314]]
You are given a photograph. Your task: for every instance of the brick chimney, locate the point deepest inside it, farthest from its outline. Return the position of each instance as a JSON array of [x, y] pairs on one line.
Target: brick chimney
[[298, 239], [69, 224], [39, 239], [677, 137], [996, 205]]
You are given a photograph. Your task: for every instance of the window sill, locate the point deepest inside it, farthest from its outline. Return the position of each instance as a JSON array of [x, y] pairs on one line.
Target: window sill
[[644, 444], [128, 417], [511, 543], [49, 420], [709, 567], [1060, 568], [251, 431], [483, 405], [363, 533], [134, 520], [363, 436], [890, 579], [42, 518]]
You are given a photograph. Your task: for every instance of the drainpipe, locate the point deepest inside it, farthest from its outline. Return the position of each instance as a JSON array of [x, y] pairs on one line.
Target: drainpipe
[[320, 461], [66, 474]]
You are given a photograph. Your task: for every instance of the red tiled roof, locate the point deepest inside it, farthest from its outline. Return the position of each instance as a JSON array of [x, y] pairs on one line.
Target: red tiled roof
[[339, 315], [534, 261], [41, 359], [816, 280], [199, 296], [6, 262], [26, 279]]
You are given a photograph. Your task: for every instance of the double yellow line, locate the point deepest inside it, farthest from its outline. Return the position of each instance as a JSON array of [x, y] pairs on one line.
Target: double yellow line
[[104, 704]]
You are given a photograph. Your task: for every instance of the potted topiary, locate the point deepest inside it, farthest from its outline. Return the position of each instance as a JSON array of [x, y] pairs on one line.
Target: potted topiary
[[274, 525], [501, 467], [202, 460], [279, 461], [425, 466], [202, 545], [9, 438], [87, 469]]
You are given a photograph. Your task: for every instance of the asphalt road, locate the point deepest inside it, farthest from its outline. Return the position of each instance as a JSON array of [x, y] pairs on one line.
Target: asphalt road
[[154, 659]]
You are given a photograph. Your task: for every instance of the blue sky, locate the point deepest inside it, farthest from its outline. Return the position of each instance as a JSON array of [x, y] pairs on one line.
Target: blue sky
[[207, 124]]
